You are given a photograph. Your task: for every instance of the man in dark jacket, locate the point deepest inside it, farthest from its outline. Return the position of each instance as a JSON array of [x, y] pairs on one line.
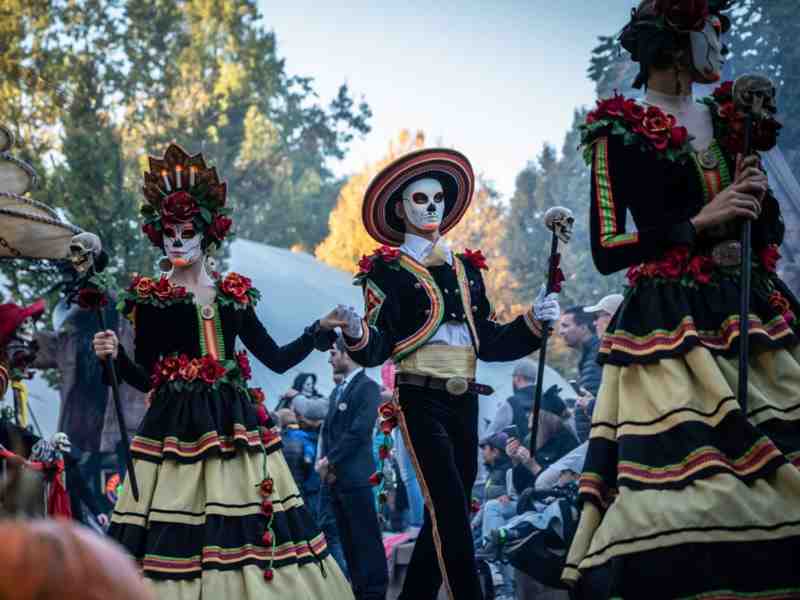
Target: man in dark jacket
[[345, 466], [516, 409], [577, 330]]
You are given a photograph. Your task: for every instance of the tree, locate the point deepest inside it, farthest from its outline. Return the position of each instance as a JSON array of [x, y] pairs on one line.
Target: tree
[[485, 227], [347, 240], [96, 85]]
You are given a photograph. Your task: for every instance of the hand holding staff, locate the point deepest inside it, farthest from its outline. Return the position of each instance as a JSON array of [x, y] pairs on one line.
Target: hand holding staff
[[754, 96], [559, 221]]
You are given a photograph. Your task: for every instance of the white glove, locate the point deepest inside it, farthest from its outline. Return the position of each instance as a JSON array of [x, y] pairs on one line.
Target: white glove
[[353, 327], [546, 307]]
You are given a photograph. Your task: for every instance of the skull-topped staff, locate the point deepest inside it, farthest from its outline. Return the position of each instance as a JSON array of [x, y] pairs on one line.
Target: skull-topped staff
[[754, 96], [88, 259], [559, 221]]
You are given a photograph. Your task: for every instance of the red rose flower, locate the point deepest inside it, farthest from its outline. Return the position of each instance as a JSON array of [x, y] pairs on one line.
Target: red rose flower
[[267, 508], [168, 368], [474, 506], [686, 15], [156, 237], [680, 135], [388, 254], [657, 127], [387, 425], [365, 264], [770, 257], [269, 575], [633, 111], [375, 478], [701, 268], [189, 369], [219, 227], [674, 262], [613, 107], [179, 207], [244, 364], [476, 259], [237, 286], [723, 92], [91, 298], [779, 302], [383, 452], [210, 370], [387, 410], [266, 539], [257, 394], [142, 286], [266, 487], [262, 415], [163, 289]]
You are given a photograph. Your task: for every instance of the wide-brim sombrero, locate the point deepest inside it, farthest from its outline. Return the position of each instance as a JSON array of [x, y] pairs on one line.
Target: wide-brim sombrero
[[450, 168]]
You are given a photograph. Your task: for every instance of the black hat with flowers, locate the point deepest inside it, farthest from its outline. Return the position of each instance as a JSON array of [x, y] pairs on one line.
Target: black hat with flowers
[[180, 188], [661, 27]]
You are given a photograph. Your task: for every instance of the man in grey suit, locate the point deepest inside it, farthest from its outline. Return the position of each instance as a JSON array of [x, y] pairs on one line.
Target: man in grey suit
[[345, 466]]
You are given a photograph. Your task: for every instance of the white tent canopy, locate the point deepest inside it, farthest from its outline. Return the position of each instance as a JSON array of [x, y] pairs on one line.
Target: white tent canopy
[[296, 289]]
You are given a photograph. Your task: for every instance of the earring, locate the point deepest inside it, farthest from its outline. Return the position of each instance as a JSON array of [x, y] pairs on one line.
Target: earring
[[165, 266], [211, 266]]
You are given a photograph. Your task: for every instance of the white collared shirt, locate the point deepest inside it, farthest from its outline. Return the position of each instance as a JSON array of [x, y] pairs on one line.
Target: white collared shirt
[[452, 333]]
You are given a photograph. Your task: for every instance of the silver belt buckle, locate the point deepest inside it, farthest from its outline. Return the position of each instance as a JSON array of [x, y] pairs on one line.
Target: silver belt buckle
[[457, 386], [727, 254]]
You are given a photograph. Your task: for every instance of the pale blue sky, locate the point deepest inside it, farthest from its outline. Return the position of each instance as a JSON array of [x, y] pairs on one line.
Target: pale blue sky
[[494, 79]]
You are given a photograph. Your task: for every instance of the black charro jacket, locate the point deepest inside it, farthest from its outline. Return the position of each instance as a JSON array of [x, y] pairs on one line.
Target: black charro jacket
[[405, 303]]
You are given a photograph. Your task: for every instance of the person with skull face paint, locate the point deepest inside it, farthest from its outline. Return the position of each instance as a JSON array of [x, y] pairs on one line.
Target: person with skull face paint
[[426, 309], [682, 494], [218, 515]]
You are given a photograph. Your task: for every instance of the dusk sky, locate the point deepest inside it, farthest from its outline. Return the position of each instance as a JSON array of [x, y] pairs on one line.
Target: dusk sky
[[494, 79]]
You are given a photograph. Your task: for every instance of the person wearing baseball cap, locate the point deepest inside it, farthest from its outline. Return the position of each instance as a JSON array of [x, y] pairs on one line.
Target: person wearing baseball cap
[[604, 310]]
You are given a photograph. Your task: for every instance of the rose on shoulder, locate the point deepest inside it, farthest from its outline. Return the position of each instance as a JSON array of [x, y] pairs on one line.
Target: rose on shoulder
[[476, 258], [770, 256], [155, 236], [237, 286], [243, 361], [219, 227]]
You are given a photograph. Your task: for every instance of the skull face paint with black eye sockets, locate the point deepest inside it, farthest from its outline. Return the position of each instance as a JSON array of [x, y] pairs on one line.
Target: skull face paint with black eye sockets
[[423, 203], [182, 244]]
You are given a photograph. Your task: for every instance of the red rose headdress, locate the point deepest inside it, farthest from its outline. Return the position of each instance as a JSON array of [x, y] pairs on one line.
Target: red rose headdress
[[180, 188]]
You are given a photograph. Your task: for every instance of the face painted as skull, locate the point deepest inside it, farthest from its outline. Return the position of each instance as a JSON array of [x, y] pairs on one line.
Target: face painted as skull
[[423, 204], [26, 331], [182, 243], [708, 51]]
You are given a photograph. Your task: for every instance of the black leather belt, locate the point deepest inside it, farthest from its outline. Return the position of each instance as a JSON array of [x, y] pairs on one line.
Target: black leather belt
[[455, 386]]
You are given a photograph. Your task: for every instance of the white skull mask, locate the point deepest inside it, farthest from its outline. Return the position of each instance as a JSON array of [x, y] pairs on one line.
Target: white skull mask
[[423, 203], [83, 249], [26, 331], [708, 51], [61, 443], [182, 243]]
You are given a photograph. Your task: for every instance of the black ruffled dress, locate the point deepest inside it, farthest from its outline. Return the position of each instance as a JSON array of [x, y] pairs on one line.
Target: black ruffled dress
[[219, 515]]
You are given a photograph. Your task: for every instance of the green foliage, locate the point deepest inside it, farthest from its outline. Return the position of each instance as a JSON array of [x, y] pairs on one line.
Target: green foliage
[[91, 87]]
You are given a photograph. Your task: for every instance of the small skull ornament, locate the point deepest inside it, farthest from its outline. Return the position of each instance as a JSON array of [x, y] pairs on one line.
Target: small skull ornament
[[26, 331], [755, 94], [83, 249], [61, 443], [560, 221]]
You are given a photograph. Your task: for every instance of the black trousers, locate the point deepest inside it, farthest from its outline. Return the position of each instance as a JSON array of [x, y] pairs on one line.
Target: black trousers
[[362, 542], [441, 432]]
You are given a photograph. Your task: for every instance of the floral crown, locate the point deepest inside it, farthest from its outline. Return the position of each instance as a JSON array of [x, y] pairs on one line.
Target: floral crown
[[180, 188]]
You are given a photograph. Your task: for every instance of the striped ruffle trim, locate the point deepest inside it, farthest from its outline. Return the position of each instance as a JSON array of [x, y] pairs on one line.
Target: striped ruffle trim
[[217, 558], [209, 443], [662, 343]]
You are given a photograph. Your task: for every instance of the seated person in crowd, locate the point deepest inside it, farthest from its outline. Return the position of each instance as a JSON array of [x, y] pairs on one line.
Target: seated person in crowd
[[554, 440]]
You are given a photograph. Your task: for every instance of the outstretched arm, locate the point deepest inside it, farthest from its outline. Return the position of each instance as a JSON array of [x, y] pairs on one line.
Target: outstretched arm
[[281, 358]]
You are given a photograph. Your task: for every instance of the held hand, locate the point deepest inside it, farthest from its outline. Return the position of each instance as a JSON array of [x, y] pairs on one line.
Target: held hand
[[546, 307], [739, 200], [335, 318], [102, 519], [583, 400], [106, 344]]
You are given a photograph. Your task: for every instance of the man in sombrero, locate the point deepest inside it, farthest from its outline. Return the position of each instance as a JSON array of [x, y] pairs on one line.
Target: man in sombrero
[[426, 309]]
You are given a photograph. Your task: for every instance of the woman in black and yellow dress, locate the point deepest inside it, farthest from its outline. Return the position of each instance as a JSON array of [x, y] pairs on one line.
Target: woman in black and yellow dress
[[683, 496], [219, 515]]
